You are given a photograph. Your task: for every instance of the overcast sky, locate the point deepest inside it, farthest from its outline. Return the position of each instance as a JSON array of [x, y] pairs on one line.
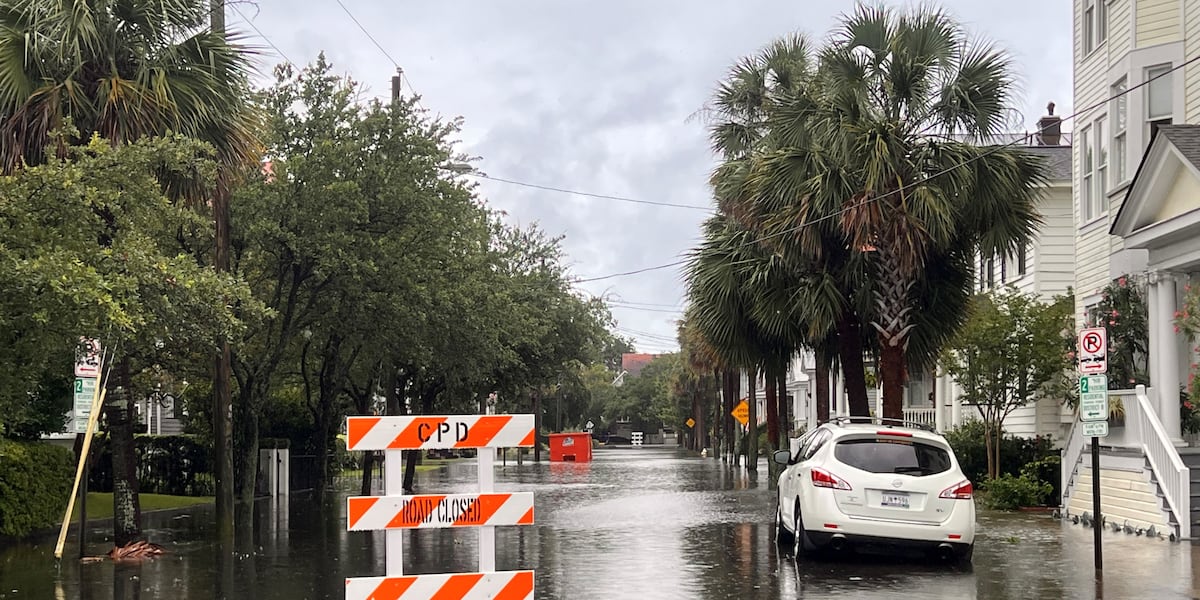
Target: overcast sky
[[596, 97]]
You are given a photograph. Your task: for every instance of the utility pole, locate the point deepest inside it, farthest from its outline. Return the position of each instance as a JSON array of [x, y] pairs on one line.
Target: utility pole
[[396, 84], [222, 413]]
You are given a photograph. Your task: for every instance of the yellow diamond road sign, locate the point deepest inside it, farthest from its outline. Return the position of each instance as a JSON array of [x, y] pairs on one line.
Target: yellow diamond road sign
[[690, 422], [741, 412]]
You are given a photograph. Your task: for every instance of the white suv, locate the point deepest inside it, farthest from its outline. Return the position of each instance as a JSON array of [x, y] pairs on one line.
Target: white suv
[[874, 485]]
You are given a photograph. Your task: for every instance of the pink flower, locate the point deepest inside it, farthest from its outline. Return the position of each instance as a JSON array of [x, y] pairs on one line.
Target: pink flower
[[1187, 404], [1122, 282], [1178, 314], [1112, 322], [1115, 314], [1071, 355], [1176, 329]]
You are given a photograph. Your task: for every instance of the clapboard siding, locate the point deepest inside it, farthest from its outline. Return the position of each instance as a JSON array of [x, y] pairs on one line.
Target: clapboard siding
[[1158, 22], [1054, 251], [1119, 29], [1191, 46]]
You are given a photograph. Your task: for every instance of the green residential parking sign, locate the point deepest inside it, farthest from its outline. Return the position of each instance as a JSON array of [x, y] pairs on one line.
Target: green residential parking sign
[[1093, 398]]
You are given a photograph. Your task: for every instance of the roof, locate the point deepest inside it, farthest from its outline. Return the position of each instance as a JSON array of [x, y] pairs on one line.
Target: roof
[[634, 363], [1058, 160], [1185, 139]]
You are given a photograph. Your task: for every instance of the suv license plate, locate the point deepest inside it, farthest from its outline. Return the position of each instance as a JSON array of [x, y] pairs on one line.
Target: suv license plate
[[895, 499]]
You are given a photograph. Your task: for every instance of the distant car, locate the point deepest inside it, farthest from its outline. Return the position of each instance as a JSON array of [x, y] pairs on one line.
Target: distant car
[[875, 485]]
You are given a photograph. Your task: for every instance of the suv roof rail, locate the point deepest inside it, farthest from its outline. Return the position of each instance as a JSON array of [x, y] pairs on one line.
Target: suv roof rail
[[846, 420]]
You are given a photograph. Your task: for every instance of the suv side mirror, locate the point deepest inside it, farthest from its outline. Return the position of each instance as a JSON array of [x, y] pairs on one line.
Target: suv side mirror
[[782, 457]]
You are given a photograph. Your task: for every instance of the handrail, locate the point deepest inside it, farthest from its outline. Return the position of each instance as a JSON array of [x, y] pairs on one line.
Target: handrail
[[1070, 459], [1168, 467]]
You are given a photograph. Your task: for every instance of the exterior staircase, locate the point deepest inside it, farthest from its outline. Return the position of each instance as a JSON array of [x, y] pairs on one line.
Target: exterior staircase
[[1191, 458], [1145, 478], [1129, 493]]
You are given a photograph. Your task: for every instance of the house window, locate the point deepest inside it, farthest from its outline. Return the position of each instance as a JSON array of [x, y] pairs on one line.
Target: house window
[[1120, 113], [1095, 24], [1101, 158], [1004, 269], [1021, 260], [1087, 211], [991, 272], [1159, 102]]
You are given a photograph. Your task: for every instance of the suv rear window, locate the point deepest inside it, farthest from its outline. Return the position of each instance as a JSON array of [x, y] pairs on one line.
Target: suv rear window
[[893, 456]]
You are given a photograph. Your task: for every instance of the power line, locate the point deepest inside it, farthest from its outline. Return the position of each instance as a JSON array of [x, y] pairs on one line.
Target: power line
[[906, 187], [633, 272], [643, 308], [367, 33], [588, 194], [395, 63], [261, 34]]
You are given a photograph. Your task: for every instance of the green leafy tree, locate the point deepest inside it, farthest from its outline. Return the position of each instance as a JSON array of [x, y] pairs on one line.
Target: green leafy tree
[[1008, 354], [90, 246]]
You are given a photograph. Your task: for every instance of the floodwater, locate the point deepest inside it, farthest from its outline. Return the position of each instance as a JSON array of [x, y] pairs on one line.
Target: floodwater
[[635, 523]]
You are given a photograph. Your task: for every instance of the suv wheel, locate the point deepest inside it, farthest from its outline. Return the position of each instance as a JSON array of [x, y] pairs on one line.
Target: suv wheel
[[783, 537], [802, 545]]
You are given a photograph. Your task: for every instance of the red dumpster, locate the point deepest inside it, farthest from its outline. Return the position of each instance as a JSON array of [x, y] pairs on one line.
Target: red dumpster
[[571, 447]]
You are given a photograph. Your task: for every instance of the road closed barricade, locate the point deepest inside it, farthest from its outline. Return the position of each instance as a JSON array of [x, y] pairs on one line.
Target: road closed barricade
[[394, 512]]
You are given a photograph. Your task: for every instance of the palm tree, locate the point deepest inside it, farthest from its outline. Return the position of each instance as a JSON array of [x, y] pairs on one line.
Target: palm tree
[[875, 147], [742, 129], [121, 70]]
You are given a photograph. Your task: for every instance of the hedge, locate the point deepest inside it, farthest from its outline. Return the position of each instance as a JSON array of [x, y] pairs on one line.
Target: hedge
[[1015, 453], [35, 480]]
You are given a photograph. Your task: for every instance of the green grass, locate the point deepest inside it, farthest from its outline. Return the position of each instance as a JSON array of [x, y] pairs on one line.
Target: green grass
[[100, 504]]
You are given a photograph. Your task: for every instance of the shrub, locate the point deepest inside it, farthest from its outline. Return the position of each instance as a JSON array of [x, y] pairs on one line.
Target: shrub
[[35, 480], [1015, 453], [1010, 493]]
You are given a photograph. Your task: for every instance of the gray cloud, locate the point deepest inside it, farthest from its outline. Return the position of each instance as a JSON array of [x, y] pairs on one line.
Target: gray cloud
[[596, 97]]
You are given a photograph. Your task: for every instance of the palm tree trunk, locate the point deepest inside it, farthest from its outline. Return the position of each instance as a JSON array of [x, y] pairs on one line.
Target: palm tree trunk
[[821, 387], [891, 362], [752, 426], [701, 422], [772, 405], [785, 422], [893, 326], [731, 425], [850, 353]]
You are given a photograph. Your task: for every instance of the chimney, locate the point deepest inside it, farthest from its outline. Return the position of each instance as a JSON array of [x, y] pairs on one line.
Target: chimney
[[1049, 128]]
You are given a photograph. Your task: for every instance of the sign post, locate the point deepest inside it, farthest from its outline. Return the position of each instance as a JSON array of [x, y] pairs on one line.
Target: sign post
[[1093, 416], [396, 512]]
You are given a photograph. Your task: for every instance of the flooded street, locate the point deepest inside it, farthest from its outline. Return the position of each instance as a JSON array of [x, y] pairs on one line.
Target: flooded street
[[636, 523]]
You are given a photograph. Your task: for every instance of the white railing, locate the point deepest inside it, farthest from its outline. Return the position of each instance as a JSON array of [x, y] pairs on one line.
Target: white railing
[[1070, 460], [1172, 475], [924, 416]]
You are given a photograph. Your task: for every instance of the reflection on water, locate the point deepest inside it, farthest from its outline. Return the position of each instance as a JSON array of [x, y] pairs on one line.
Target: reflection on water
[[636, 523]]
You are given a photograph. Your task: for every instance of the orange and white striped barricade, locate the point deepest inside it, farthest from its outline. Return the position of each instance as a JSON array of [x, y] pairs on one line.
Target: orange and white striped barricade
[[394, 512]]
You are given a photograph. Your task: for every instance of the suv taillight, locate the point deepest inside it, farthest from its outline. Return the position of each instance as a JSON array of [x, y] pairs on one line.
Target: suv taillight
[[825, 479], [959, 491]]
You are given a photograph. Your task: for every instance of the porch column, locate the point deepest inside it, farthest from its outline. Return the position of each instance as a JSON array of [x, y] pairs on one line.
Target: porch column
[[843, 405], [939, 400], [1155, 336], [1167, 386], [956, 408]]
